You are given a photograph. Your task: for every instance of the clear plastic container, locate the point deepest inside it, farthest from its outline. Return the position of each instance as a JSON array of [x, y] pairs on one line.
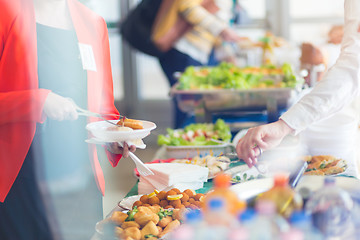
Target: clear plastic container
[[331, 210], [284, 197]]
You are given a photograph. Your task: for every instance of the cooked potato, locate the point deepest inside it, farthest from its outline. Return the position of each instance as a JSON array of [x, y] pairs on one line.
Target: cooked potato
[[130, 224], [118, 217], [178, 214], [143, 216], [150, 228], [119, 232], [155, 209], [132, 232], [165, 221], [170, 227]]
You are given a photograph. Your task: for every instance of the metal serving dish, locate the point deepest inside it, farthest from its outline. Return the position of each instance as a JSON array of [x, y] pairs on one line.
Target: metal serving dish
[[270, 99]]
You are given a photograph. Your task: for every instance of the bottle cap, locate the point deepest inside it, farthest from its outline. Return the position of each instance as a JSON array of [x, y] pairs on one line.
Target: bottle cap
[[222, 181], [247, 215], [299, 217], [193, 216], [216, 203], [281, 180]]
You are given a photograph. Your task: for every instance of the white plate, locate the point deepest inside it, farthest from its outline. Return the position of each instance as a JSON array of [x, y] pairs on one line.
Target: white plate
[[101, 130], [100, 142], [128, 202], [313, 183]]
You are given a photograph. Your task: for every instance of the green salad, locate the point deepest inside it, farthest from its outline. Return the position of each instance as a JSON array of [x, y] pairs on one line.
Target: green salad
[[228, 76], [197, 134]]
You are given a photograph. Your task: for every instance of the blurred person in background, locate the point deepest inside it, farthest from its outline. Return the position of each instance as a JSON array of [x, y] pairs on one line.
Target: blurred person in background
[[53, 54], [337, 89], [209, 27]]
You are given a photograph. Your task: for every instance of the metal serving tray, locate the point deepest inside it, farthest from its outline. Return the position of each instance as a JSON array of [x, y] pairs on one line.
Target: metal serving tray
[[270, 99]]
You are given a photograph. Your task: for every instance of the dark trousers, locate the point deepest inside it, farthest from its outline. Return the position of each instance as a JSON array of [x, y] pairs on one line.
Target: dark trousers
[[23, 215], [175, 61]]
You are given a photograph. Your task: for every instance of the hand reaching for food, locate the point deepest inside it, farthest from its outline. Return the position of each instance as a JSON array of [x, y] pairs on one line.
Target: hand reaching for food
[[116, 148], [259, 139], [59, 108]]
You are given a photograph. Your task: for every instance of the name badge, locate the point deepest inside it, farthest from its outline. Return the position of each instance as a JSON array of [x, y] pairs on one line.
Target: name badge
[[87, 57]]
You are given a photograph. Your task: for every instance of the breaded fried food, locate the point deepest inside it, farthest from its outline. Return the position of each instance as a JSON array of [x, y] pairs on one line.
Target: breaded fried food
[[333, 170], [315, 172], [131, 123]]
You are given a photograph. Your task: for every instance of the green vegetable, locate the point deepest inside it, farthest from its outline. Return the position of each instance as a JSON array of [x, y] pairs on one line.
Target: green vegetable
[[164, 213], [131, 214], [150, 235], [322, 165], [228, 76], [218, 131]]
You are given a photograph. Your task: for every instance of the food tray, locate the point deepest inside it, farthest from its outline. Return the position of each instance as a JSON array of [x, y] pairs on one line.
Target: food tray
[[180, 152], [231, 99]]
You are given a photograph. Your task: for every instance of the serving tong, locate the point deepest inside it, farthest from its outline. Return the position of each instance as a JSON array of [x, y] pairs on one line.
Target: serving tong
[[87, 113]]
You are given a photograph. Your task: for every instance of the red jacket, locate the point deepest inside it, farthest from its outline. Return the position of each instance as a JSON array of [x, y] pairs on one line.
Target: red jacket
[[21, 101]]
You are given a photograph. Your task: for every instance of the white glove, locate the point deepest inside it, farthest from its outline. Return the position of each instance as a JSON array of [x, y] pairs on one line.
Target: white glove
[[59, 108]]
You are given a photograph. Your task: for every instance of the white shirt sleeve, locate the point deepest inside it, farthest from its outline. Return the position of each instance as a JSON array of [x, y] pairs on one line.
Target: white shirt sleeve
[[339, 85]]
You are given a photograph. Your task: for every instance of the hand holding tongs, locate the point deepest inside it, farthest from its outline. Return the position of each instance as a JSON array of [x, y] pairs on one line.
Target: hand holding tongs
[[84, 112], [234, 155], [261, 170]]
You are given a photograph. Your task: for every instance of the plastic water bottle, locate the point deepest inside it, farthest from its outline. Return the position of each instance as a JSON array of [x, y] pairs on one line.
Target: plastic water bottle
[[331, 208], [302, 222], [292, 234], [263, 226], [241, 230], [218, 220], [192, 229]]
